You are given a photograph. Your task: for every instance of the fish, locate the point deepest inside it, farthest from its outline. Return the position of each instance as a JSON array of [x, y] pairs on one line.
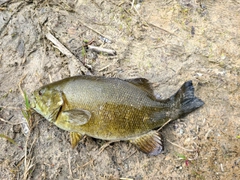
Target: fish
[[112, 109]]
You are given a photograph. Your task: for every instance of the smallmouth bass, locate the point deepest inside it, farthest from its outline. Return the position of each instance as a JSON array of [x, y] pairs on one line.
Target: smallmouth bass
[[112, 109]]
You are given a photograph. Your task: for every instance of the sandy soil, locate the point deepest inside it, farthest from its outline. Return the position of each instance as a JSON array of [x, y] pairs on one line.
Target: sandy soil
[[167, 42]]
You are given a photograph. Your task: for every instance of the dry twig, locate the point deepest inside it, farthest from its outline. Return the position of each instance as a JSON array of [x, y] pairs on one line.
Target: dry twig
[[10, 107], [102, 50], [16, 123], [20, 83], [153, 25], [164, 125], [129, 155], [28, 164], [188, 150], [59, 45], [65, 51], [69, 166], [95, 30]]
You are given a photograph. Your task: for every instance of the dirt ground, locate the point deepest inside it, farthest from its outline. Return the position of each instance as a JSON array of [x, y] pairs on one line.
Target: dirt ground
[[167, 42]]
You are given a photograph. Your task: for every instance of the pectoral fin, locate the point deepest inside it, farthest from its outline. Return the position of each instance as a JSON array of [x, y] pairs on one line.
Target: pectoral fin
[[76, 117], [150, 143], [75, 138]]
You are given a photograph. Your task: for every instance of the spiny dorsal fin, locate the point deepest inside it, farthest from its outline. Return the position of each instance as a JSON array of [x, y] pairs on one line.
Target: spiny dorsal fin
[[142, 83], [150, 143], [75, 138]]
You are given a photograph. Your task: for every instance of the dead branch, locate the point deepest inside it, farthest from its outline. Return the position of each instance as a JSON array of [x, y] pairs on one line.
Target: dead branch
[[59, 45], [28, 163], [16, 123], [95, 30], [19, 85], [150, 24], [102, 50], [164, 125], [65, 51], [188, 150]]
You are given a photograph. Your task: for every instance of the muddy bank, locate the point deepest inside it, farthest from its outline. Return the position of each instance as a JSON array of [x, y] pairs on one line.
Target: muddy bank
[[167, 42]]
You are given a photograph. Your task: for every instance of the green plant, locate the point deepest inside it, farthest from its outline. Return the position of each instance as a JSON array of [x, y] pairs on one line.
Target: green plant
[[8, 138], [27, 112], [183, 157]]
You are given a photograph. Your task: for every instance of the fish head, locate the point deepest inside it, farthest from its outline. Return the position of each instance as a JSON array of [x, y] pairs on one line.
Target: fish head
[[47, 102]]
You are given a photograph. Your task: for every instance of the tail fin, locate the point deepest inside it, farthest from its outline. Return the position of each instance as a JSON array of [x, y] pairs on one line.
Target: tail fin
[[184, 99]]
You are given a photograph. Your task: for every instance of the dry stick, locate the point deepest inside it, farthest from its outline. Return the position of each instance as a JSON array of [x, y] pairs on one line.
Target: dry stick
[[69, 166], [95, 30], [102, 50], [206, 135], [28, 165], [65, 51], [10, 107], [58, 45], [25, 158], [91, 161], [16, 123], [105, 67], [189, 150], [164, 125], [162, 29], [19, 85], [6, 2], [150, 24], [221, 166], [106, 145], [129, 155], [19, 162], [50, 78], [132, 4]]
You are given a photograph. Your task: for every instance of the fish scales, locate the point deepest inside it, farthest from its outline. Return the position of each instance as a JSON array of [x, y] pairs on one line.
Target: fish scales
[[132, 105], [112, 109]]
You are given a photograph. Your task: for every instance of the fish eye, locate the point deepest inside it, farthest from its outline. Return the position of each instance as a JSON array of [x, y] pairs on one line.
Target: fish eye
[[40, 92]]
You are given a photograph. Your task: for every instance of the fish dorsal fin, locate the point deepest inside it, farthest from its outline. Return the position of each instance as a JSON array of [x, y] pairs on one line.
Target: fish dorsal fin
[[76, 117], [142, 83], [150, 143], [75, 138]]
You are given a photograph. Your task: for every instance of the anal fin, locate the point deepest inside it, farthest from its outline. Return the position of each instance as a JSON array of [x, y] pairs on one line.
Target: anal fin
[[150, 143], [75, 138]]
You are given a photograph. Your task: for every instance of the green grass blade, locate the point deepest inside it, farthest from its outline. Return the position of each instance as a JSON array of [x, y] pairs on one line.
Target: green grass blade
[[27, 103], [8, 138], [181, 156]]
